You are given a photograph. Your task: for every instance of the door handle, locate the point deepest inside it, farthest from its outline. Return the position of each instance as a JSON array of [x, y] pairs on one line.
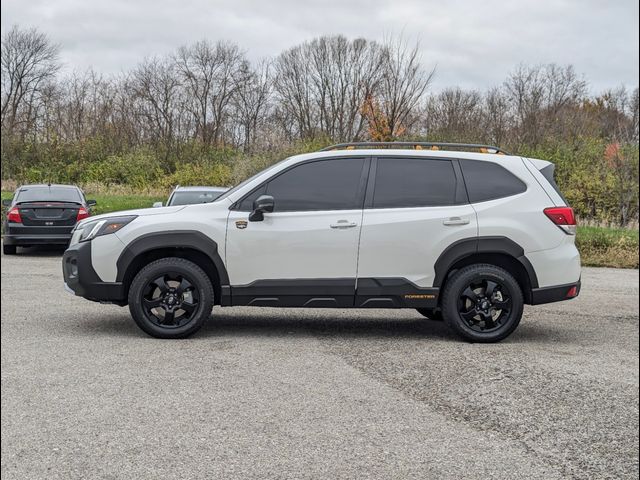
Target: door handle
[[455, 221], [341, 224]]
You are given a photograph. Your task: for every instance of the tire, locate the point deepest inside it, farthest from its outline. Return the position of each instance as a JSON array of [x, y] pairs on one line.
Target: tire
[[171, 298], [482, 303], [9, 249], [431, 313]]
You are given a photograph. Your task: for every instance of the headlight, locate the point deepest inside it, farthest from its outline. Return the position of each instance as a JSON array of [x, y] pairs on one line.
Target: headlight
[[97, 228]]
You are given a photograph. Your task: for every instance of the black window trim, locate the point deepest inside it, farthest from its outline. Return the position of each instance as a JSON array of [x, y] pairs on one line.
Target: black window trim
[[460, 198], [361, 186]]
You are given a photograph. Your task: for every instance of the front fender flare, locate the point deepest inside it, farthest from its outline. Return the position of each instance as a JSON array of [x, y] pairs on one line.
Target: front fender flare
[[190, 239]]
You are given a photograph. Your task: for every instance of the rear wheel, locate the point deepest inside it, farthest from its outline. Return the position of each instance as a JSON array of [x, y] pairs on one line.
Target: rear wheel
[[482, 303], [9, 249], [431, 313], [171, 298]]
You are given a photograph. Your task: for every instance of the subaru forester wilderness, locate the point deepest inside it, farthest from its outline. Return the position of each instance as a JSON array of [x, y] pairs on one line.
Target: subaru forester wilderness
[[463, 233]]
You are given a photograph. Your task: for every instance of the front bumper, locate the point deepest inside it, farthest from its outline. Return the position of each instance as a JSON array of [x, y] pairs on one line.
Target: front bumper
[[81, 279], [557, 293]]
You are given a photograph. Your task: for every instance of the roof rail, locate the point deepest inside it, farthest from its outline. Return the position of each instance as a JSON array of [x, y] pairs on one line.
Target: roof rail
[[417, 146]]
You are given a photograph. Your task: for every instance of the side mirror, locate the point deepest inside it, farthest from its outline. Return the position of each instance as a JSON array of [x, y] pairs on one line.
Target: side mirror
[[92, 203], [157, 204], [263, 204], [6, 202]]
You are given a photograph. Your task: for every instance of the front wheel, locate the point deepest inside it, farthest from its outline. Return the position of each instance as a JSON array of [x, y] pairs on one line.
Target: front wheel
[[482, 303], [171, 298]]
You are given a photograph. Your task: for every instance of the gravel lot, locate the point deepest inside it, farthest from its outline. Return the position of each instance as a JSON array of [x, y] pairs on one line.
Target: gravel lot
[[266, 393]]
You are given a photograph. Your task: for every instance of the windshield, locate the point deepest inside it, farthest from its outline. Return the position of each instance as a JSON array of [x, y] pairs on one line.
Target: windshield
[[48, 194], [193, 197], [244, 182]]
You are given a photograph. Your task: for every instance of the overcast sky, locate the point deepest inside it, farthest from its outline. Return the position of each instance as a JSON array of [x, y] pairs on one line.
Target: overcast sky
[[472, 43]]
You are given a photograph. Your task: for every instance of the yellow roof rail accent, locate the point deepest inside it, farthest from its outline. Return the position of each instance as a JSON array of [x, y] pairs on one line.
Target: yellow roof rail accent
[[417, 146]]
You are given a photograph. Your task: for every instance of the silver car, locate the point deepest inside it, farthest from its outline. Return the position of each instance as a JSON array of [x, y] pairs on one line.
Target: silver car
[[192, 195]]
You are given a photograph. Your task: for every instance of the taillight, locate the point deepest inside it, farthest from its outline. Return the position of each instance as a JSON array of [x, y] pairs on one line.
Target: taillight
[[82, 213], [14, 215], [563, 217]]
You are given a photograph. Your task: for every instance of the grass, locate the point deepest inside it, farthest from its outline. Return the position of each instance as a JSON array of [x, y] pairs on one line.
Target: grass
[[599, 246], [113, 203], [608, 247]]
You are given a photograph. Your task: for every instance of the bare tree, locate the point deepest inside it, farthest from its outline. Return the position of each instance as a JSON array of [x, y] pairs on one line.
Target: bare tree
[[295, 94], [323, 84], [497, 118], [156, 89], [29, 62], [455, 114], [211, 74], [403, 83], [543, 98], [634, 115], [251, 102]]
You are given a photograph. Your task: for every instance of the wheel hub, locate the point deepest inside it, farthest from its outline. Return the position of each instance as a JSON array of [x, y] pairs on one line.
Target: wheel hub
[[170, 300], [484, 304]]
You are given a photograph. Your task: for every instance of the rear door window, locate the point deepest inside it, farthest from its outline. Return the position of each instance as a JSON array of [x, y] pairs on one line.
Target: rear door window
[[414, 182]]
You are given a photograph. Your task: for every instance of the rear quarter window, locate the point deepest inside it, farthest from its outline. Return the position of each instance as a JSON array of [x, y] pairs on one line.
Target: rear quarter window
[[488, 181]]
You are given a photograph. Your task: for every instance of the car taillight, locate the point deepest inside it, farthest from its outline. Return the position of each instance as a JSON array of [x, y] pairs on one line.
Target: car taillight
[[82, 213], [563, 217], [14, 215]]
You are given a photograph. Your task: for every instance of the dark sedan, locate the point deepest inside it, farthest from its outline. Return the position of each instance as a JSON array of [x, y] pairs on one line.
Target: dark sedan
[[43, 215]]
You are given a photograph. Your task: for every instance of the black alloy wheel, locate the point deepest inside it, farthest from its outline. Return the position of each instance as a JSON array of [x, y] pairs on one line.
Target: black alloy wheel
[[482, 303], [171, 298]]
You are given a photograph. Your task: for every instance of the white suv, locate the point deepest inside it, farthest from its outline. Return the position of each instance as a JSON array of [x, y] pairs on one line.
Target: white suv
[[466, 233]]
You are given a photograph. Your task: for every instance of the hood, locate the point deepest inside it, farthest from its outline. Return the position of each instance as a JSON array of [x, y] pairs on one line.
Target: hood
[[140, 212]]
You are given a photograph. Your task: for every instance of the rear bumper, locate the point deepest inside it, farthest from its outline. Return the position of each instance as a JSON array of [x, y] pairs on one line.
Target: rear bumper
[[18, 234], [81, 279], [557, 293], [36, 239]]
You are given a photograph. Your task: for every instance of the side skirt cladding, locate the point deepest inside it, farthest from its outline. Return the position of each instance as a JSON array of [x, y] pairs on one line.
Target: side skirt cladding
[[335, 293]]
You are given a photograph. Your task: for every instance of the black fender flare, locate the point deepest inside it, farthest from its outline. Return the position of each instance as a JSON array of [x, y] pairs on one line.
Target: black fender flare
[[469, 246], [180, 239]]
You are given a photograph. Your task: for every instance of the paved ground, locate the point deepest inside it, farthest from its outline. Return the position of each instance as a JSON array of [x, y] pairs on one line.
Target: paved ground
[[264, 393]]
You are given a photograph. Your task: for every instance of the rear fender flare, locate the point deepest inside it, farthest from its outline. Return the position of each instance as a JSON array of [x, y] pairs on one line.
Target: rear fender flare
[[470, 246]]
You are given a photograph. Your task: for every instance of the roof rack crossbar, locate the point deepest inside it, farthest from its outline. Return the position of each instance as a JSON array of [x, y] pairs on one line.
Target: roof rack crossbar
[[416, 145]]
